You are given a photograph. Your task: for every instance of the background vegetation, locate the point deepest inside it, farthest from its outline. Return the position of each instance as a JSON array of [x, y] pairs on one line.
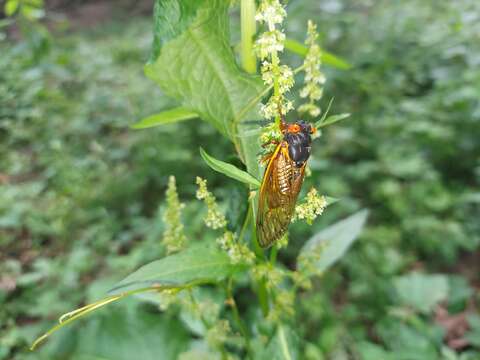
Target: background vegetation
[[82, 195]]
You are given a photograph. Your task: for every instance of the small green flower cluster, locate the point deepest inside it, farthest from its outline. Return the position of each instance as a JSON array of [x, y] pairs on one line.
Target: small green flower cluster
[[173, 238], [271, 13], [283, 305], [307, 264], [275, 282], [301, 279], [272, 275], [214, 219], [313, 206], [219, 333], [206, 310], [168, 297], [314, 78], [238, 252], [270, 133], [267, 47], [270, 137]]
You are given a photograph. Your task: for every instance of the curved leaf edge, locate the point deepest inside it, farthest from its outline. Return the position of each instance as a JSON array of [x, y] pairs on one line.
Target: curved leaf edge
[[229, 170]]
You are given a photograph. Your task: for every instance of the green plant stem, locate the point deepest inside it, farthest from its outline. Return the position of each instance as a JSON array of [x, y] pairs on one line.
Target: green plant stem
[[236, 315], [249, 64], [260, 287], [245, 223], [256, 246], [248, 29], [262, 294], [273, 254], [276, 86]]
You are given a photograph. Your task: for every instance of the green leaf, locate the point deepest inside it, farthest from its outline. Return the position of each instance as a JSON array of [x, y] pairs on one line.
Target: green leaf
[[229, 170], [131, 332], [198, 264], [421, 291], [332, 242], [370, 350], [171, 19], [284, 345], [165, 117], [327, 58], [331, 200], [331, 120], [10, 7], [408, 342], [195, 63]]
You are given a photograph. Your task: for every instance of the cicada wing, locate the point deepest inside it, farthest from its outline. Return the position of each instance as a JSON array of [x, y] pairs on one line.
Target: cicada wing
[[281, 184]]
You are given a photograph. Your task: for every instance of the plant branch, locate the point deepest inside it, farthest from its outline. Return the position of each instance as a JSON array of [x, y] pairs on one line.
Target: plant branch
[[273, 254], [236, 315], [248, 29], [245, 222]]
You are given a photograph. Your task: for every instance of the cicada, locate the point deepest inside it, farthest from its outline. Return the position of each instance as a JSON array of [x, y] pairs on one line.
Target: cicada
[[282, 181]]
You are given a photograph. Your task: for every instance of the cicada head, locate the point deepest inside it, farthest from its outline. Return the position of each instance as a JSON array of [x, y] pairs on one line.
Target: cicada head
[[306, 127]]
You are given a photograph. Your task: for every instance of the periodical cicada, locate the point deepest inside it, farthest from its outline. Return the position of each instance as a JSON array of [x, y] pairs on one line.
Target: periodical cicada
[[282, 181]]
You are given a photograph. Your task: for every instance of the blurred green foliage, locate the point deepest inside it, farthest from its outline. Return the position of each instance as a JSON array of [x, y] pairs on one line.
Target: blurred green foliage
[[81, 194]]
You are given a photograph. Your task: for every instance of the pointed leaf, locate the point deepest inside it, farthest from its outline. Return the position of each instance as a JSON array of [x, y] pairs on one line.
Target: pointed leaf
[[325, 114], [332, 242], [165, 117], [331, 120], [198, 264], [421, 291], [327, 58], [229, 170], [331, 200]]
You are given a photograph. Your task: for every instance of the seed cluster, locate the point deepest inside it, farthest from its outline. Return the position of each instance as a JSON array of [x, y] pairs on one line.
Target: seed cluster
[[267, 47], [173, 237], [314, 78], [313, 206]]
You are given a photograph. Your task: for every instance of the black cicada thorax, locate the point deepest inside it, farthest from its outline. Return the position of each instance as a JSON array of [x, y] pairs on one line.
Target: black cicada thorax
[[299, 145]]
